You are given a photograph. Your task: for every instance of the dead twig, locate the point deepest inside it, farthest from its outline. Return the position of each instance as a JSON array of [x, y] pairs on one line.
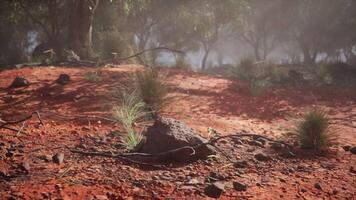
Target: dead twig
[[136, 157]]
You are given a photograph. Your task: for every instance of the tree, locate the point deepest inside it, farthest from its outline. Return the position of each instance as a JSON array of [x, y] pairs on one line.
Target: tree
[[80, 27]]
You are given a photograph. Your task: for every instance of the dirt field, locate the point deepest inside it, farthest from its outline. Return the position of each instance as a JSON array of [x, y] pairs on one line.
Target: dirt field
[[199, 100]]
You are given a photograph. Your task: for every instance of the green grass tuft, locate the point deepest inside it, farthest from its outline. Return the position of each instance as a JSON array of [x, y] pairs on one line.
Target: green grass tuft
[[151, 88], [313, 131]]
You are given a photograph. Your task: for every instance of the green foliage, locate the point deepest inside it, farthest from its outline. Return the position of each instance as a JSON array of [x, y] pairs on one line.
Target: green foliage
[[313, 131], [258, 86], [93, 76], [181, 63], [130, 112], [131, 109], [151, 88], [131, 139], [244, 70]]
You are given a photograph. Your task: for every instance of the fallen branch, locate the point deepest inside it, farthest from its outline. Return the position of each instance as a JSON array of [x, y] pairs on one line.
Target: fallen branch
[[137, 158]]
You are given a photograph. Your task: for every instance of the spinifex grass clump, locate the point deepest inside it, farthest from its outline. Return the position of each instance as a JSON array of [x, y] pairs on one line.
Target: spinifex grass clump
[[151, 88], [131, 111], [131, 139], [313, 131]]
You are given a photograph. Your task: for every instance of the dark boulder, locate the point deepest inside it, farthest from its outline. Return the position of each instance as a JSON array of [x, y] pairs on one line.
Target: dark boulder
[[63, 79], [19, 82], [167, 134]]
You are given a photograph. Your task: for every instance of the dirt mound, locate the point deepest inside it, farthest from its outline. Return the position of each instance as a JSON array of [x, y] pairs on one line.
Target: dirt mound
[[167, 134]]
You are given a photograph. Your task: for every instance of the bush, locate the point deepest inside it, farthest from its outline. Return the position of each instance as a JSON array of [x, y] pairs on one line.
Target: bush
[[131, 109], [93, 76], [151, 89], [313, 131], [244, 70], [258, 86], [181, 63]]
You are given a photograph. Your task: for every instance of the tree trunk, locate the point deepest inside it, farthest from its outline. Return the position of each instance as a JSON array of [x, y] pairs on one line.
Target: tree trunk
[[80, 27], [205, 58]]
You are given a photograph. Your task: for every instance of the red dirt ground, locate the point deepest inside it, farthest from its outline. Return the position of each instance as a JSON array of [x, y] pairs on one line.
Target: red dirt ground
[[199, 100]]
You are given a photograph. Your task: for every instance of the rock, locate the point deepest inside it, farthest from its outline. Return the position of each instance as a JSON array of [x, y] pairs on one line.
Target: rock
[[215, 176], [9, 154], [277, 146], [256, 143], [346, 147], [241, 164], [63, 79], [261, 140], [19, 82], [261, 157], [318, 186], [352, 170], [46, 158], [239, 186], [58, 158], [237, 141], [303, 190], [214, 190], [25, 166], [168, 134], [353, 150]]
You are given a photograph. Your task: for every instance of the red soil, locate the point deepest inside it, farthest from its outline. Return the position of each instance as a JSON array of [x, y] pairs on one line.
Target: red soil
[[201, 101]]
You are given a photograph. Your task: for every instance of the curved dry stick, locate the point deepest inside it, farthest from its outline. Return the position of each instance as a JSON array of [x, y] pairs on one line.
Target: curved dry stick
[[126, 156]]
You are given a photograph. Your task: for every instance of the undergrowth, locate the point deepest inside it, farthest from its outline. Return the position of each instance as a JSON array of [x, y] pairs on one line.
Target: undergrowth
[[313, 131]]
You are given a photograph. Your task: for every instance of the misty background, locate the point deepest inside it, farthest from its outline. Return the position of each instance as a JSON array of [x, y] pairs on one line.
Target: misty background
[[212, 33]]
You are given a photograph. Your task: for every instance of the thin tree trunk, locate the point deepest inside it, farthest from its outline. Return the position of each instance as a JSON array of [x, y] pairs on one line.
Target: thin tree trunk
[[205, 58], [80, 27]]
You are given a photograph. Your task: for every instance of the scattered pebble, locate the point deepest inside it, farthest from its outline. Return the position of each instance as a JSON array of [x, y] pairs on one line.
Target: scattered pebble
[[58, 158], [261, 157], [318, 186], [214, 190], [239, 186]]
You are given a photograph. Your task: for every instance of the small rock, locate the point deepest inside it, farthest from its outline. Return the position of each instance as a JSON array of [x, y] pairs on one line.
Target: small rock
[[214, 190], [193, 182], [277, 146], [63, 79], [9, 154], [347, 147], [318, 186], [237, 141], [261, 157], [241, 164], [239, 186], [215, 176], [256, 143], [58, 158], [335, 192], [303, 190], [353, 150], [352, 170], [25, 166], [19, 82], [261, 140]]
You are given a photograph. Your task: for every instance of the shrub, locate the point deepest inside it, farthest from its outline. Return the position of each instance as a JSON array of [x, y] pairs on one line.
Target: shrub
[[313, 131], [258, 86], [131, 109], [151, 89], [244, 70], [181, 63], [93, 76]]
